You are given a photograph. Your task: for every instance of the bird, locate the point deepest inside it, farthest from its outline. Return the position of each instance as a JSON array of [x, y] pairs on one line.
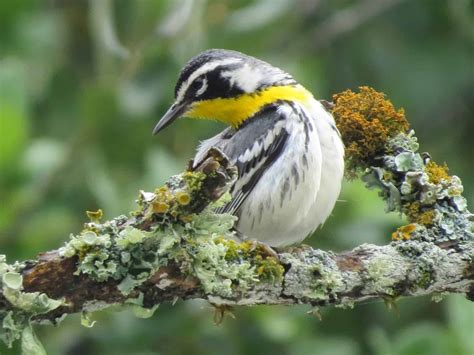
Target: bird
[[284, 143]]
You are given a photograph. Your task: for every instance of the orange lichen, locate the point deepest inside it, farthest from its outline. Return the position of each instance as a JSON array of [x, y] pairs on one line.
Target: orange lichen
[[95, 216], [183, 198], [166, 202], [418, 214], [426, 218], [412, 210], [366, 120], [436, 172], [163, 194], [404, 232], [160, 207]]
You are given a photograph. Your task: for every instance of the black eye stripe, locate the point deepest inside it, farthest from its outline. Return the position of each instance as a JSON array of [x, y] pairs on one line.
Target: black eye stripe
[[198, 61], [213, 76], [217, 87]]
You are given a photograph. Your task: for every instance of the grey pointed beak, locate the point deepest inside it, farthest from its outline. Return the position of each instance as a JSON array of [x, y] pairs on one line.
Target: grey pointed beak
[[174, 112]]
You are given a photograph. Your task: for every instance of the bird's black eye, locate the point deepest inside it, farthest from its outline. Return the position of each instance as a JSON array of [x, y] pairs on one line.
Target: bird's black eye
[[196, 84], [198, 87]]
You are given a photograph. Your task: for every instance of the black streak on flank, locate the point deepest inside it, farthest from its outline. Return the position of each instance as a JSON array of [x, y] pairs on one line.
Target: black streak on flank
[[272, 154], [284, 191], [296, 175], [260, 212], [305, 161]]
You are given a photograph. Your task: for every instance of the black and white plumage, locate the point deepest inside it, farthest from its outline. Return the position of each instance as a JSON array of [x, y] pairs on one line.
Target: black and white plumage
[[288, 152]]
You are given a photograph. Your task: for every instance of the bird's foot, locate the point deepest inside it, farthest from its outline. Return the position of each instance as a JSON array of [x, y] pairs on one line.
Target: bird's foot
[[264, 249], [297, 249]]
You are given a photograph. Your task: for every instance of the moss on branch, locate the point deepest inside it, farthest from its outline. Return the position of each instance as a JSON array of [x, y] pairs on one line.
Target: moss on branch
[[174, 246]]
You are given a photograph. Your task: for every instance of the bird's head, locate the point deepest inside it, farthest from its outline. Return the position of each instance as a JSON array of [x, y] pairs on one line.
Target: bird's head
[[228, 86]]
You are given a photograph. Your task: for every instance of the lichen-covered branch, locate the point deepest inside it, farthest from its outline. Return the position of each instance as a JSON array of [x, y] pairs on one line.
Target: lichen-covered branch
[[174, 246]]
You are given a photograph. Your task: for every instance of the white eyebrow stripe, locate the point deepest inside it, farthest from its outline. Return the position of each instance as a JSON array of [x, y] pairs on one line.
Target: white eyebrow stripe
[[203, 69]]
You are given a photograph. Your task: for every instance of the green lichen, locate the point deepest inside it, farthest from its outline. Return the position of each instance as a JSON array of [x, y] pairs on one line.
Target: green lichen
[[164, 230], [12, 280], [412, 184], [23, 306], [378, 273], [194, 180], [425, 270], [30, 344], [13, 324], [86, 320], [126, 253], [320, 282], [323, 282], [425, 279], [408, 161], [376, 177], [268, 267], [198, 243], [93, 255], [224, 267], [217, 275], [136, 304], [404, 142], [208, 223], [130, 236], [428, 196], [83, 243]]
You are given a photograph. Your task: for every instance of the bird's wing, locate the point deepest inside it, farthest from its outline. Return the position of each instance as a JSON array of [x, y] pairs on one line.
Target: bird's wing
[[253, 149], [251, 170]]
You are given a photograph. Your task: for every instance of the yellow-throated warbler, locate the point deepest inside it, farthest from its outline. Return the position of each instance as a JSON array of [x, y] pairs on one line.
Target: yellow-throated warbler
[[287, 149]]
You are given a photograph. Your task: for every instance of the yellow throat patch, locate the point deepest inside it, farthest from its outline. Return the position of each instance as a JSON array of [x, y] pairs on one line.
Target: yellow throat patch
[[234, 111]]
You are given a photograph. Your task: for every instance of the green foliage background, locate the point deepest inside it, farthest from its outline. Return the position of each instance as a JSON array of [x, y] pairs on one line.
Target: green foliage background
[[83, 83]]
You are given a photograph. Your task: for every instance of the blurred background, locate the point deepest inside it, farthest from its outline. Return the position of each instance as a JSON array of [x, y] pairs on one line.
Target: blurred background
[[82, 84]]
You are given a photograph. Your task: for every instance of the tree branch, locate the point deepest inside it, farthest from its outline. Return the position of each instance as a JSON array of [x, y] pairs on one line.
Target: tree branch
[[311, 276], [174, 246]]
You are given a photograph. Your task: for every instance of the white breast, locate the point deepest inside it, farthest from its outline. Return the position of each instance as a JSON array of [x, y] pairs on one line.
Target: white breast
[[298, 192]]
